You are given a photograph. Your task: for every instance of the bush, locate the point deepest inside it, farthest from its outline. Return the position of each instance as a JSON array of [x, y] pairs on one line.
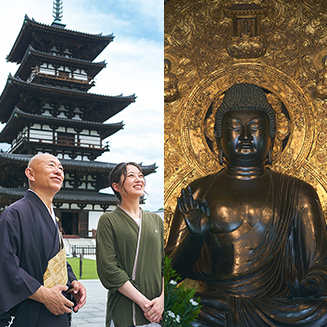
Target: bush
[[180, 307]]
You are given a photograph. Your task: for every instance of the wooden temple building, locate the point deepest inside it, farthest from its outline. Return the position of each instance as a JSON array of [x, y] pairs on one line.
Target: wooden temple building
[[46, 107]]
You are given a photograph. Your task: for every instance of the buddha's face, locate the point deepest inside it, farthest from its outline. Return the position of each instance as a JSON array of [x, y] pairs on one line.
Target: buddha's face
[[245, 137]]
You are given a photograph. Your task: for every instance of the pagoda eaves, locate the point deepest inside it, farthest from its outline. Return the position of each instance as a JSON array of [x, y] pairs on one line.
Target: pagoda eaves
[[12, 167], [83, 166], [88, 46], [103, 107], [81, 199], [30, 70], [19, 119]]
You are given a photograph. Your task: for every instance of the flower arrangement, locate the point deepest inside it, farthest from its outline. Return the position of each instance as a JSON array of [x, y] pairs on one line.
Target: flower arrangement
[[180, 307]]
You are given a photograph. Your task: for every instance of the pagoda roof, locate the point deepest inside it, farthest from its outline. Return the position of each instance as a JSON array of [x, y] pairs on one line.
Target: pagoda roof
[[9, 195], [70, 165], [12, 170], [31, 56], [107, 106], [19, 119], [31, 29]]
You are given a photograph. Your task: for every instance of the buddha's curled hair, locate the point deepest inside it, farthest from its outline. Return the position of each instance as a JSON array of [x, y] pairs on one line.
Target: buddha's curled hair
[[245, 96]]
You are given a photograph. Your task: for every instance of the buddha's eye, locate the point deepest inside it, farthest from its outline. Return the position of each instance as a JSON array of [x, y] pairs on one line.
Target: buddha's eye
[[233, 125], [256, 125]]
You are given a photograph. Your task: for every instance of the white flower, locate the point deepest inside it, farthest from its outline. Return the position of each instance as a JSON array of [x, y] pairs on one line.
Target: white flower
[[171, 314], [194, 302], [178, 318], [172, 282]]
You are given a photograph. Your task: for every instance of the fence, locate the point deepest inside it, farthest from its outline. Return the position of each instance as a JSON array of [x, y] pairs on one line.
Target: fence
[[84, 250]]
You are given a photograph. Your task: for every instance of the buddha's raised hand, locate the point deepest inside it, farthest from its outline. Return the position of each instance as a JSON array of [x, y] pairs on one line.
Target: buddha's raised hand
[[195, 213]]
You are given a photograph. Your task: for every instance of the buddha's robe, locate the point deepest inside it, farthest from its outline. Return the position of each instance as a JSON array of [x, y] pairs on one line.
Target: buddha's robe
[[28, 240], [292, 245]]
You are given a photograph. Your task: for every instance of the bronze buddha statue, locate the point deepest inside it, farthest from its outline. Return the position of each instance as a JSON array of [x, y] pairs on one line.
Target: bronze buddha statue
[[255, 238]]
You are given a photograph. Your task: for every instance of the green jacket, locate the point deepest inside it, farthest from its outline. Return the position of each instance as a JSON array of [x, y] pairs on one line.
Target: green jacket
[[116, 240]]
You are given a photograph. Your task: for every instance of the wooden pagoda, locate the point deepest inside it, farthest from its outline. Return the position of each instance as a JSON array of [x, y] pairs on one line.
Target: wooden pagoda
[[46, 107]]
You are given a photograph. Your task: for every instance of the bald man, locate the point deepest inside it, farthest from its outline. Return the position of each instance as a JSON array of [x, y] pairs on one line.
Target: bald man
[[34, 274]]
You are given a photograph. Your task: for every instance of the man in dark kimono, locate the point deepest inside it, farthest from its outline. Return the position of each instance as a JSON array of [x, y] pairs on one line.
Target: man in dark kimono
[[33, 269]]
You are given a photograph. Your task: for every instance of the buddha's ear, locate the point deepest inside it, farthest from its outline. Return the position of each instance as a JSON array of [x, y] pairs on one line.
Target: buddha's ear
[[270, 151], [272, 140], [218, 140], [220, 151]]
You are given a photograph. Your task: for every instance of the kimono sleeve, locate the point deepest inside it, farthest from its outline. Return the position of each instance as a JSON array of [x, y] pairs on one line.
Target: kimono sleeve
[[70, 273], [16, 283]]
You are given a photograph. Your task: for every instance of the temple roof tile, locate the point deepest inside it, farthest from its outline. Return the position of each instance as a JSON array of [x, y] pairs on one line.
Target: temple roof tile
[[33, 55], [71, 165], [108, 105], [65, 196], [30, 27], [19, 119]]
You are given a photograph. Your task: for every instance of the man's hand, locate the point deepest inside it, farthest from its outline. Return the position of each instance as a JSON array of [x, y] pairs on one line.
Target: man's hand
[[53, 299], [79, 294]]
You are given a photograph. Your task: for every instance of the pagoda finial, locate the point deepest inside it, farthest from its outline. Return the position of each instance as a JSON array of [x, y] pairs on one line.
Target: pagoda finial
[[57, 12]]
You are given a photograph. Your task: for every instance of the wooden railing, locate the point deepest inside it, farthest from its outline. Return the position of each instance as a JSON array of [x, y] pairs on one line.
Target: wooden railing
[[62, 141], [59, 75]]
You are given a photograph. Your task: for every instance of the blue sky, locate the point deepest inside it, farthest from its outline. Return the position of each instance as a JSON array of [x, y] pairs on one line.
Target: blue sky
[[134, 65]]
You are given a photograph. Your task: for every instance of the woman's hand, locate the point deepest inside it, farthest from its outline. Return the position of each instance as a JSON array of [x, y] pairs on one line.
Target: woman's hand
[[156, 307], [195, 213]]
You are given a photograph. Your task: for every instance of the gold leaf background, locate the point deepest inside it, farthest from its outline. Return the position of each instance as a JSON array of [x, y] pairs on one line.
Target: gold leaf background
[[200, 43]]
